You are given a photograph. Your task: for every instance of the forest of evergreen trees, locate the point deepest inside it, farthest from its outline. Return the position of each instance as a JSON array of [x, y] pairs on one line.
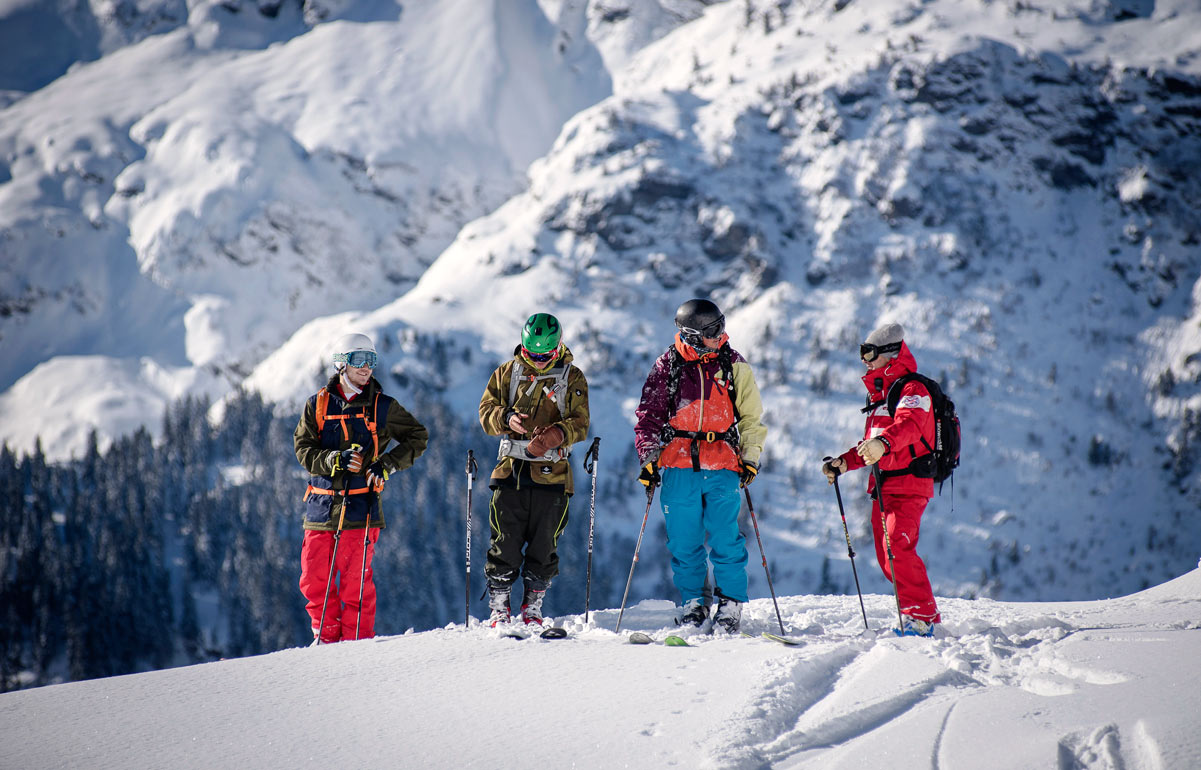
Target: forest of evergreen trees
[[154, 553]]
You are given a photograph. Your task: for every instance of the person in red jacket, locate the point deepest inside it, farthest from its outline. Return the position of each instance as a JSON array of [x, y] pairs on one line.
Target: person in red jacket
[[894, 442]]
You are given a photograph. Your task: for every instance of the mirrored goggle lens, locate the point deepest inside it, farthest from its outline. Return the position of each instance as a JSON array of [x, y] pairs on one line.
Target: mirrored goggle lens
[[712, 331], [540, 358], [360, 358]]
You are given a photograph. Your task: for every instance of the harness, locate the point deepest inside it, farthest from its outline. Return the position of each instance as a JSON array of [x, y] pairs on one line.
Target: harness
[[322, 414], [518, 448], [669, 432]]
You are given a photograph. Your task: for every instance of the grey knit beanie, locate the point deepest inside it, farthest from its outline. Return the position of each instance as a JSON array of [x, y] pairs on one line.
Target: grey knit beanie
[[888, 334]]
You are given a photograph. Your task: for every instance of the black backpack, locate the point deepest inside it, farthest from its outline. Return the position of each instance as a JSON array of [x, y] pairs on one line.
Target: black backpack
[[944, 455]]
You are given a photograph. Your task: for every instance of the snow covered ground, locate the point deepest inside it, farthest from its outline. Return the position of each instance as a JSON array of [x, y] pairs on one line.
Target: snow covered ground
[[1098, 684]]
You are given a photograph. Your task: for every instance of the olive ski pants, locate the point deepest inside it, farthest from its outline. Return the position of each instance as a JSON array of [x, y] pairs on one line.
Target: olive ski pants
[[526, 524]]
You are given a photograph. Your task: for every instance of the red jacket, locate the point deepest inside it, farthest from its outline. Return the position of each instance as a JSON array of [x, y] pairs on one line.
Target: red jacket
[[913, 420]]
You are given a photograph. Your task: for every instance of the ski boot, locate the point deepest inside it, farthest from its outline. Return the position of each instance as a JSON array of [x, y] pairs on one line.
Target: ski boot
[[498, 601], [693, 613], [531, 603], [915, 627], [728, 616]]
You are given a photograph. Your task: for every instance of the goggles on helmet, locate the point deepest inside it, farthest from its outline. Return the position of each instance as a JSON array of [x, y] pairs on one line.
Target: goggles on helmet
[[357, 359], [539, 358], [869, 352]]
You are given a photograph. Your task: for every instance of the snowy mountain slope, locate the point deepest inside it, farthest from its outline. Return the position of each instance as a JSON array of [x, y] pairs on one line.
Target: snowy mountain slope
[[1082, 685], [979, 172], [225, 195], [1014, 183]]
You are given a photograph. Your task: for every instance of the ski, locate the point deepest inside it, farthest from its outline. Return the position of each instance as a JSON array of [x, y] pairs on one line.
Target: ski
[[784, 640], [675, 641], [553, 632]]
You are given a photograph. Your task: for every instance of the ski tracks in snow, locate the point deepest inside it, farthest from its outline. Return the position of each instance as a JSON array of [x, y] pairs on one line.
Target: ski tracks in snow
[[837, 689]]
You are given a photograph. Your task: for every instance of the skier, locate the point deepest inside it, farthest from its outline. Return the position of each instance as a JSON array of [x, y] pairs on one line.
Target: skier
[[538, 404], [699, 433], [894, 442], [341, 440]]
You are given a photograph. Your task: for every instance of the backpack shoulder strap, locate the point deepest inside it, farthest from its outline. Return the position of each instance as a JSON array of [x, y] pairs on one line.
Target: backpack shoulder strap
[[559, 374], [894, 390], [514, 384], [381, 401], [321, 408], [894, 397], [725, 359], [675, 364]]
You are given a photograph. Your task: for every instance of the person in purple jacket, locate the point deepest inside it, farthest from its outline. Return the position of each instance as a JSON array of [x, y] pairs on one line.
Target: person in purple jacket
[[699, 433]]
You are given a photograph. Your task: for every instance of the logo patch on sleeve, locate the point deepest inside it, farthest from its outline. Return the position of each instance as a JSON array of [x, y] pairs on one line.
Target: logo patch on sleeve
[[915, 402]]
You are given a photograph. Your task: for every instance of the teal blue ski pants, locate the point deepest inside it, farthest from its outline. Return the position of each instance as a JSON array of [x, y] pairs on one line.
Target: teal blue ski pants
[[697, 504]]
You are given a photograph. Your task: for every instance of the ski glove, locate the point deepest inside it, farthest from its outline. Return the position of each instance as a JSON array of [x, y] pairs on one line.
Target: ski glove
[[872, 450], [650, 474], [546, 438], [833, 467], [377, 474], [748, 472], [350, 460]]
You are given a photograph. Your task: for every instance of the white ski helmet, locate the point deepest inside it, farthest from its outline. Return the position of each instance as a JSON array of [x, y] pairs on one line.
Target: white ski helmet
[[347, 344]]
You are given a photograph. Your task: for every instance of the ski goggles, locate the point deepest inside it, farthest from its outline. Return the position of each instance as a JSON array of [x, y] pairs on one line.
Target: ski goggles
[[711, 331], [539, 358], [869, 352], [357, 359]]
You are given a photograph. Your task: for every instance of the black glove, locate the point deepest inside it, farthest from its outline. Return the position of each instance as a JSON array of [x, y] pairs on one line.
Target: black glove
[[650, 474], [377, 474], [748, 472]]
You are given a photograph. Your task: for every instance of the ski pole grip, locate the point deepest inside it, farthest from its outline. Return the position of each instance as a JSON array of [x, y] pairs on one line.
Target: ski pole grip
[[592, 455]]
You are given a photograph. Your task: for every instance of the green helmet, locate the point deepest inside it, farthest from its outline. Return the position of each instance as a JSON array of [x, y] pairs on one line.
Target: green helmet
[[541, 333]]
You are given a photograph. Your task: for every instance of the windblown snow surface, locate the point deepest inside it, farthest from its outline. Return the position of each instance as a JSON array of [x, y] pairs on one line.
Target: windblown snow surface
[[1098, 684]]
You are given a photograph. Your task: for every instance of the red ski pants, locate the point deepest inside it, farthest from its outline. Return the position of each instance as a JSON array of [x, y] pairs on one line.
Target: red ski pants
[[342, 612], [903, 514]]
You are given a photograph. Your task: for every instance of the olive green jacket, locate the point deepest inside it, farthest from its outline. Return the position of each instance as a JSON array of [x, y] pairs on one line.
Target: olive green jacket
[[542, 410]]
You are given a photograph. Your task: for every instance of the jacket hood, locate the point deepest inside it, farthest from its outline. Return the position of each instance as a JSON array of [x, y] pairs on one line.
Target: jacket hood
[[903, 364]]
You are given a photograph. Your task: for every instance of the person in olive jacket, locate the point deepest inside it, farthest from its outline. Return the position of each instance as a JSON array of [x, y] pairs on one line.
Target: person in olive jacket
[[342, 440], [538, 404]]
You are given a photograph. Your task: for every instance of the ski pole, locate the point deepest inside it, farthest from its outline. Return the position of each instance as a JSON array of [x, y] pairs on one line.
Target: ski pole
[[751, 507], [850, 550], [590, 465], [892, 572], [650, 495], [472, 467], [363, 570], [363, 574], [333, 560]]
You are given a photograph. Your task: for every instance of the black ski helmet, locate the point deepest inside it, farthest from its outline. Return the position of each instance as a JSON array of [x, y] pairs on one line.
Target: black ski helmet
[[699, 318]]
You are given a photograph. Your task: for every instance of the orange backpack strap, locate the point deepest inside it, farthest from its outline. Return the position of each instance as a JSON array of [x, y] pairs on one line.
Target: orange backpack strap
[[371, 421], [322, 408], [373, 426]]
